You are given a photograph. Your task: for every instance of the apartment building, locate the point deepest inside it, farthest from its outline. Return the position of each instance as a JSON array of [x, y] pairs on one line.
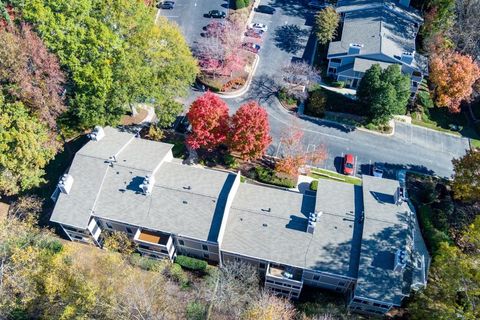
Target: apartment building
[[357, 240], [376, 32]]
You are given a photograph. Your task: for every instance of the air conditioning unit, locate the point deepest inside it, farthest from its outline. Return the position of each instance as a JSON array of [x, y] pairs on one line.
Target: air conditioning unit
[[400, 260], [312, 221], [65, 183], [147, 185], [97, 134]]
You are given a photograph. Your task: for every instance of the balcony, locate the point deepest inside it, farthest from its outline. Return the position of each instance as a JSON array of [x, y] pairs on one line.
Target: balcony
[[284, 280], [154, 243], [285, 273]]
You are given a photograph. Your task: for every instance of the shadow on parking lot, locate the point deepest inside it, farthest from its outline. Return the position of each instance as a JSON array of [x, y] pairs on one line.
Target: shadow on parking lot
[[263, 88], [295, 8], [291, 38]]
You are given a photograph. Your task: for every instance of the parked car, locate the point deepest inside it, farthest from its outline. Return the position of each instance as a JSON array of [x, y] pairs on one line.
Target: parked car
[[166, 5], [258, 26], [265, 9], [216, 14], [252, 47], [349, 164], [253, 33]]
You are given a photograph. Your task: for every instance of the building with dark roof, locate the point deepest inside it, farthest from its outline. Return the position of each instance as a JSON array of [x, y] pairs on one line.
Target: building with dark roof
[[359, 240], [376, 32]]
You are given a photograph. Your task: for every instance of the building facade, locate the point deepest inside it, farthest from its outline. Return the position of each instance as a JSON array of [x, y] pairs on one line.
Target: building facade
[[376, 32], [331, 240]]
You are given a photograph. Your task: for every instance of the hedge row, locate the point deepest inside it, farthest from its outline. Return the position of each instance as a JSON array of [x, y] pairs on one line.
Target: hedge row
[[191, 263]]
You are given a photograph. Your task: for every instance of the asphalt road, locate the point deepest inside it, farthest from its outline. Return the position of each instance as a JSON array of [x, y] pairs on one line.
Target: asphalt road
[[289, 37]]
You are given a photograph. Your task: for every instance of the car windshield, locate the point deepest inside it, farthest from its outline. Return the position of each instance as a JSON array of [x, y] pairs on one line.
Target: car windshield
[[349, 165]]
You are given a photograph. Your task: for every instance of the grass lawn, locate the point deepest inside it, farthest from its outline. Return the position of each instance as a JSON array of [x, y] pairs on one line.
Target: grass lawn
[[331, 175], [440, 118]]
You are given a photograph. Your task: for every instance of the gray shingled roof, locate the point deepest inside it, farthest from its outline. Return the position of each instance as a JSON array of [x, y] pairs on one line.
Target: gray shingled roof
[[386, 229], [271, 224], [185, 200], [362, 65], [385, 31]]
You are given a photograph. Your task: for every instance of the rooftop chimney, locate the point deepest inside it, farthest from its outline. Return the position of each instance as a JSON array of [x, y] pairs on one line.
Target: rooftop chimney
[[355, 48], [65, 183], [407, 57], [405, 3], [97, 134], [147, 185]]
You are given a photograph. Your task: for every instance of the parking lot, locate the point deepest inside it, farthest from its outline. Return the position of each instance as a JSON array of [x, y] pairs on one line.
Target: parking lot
[[289, 35]]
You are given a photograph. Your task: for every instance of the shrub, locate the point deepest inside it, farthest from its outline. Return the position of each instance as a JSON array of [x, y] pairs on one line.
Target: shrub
[[240, 4], [230, 161], [191, 263], [269, 176], [155, 133], [283, 96], [235, 83], [118, 241], [338, 84], [316, 104], [144, 262], [424, 99], [175, 272], [314, 185], [195, 311]]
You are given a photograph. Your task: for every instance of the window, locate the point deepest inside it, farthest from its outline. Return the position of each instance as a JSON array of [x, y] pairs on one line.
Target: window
[[417, 74], [414, 84], [164, 251], [316, 277], [141, 246], [180, 242], [262, 265], [332, 70], [269, 281], [204, 247], [336, 60], [129, 230], [206, 256], [78, 238]]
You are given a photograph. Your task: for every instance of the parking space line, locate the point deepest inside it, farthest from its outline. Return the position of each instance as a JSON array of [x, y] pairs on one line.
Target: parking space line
[[278, 149]]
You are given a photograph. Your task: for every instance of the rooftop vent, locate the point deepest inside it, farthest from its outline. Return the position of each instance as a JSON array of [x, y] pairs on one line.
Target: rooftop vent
[[65, 183], [312, 221], [400, 260], [147, 185], [354, 48], [97, 134], [407, 57]]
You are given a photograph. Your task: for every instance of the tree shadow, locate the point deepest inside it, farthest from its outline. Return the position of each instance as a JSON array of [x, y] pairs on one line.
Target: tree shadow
[[294, 8], [263, 88], [290, 38]]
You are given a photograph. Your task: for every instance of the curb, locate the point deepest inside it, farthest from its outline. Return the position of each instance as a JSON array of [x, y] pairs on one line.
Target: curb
[[245, 88], [438, 131]]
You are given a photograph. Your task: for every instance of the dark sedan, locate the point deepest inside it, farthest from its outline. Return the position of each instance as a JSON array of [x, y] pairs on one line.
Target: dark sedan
[[265, 9], [216, 14]]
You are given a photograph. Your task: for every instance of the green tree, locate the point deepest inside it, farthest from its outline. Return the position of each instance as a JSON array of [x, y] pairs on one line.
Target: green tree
[[326, 23], [466, 177], [115, 56], [384, 92], [25, 148]]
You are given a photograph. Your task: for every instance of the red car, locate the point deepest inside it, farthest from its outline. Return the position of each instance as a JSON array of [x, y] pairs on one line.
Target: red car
[[254, 33], [252, 47], [349, 164]]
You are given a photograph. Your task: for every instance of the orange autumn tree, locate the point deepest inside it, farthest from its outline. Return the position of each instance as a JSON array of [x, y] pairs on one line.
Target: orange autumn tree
[[453, 75], [294, 157]]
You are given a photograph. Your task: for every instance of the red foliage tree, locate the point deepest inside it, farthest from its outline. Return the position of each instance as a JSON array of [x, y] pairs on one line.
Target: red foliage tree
[[453, 75], [29, 73], [250, 131], [208, 116], [294, 157]]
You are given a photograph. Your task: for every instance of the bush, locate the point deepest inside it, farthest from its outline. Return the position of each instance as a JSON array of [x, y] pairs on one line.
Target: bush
[[175, 272], [314, 185], [144, 262], [284, 97], [316, 104], [240, 4], [195, 311], [433, 236], [338, 84], [191, 263], [230, 161], [269, 176], [424, 99]]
